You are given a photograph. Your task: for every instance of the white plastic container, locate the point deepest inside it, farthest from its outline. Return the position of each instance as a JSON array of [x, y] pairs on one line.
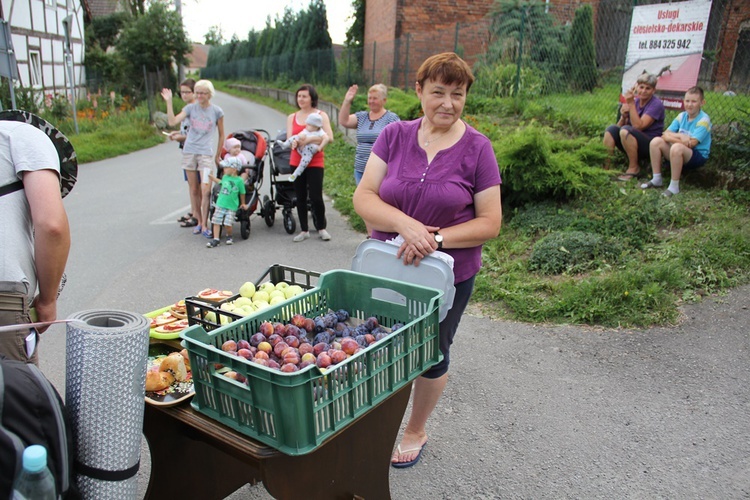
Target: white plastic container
[[378, 258]]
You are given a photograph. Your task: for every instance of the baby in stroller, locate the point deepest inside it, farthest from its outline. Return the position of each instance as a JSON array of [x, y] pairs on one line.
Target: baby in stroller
[[244, 151], [313, 128], [233, 147]]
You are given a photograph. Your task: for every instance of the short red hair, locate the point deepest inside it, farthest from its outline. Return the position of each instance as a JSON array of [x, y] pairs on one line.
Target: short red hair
[[445, 68]]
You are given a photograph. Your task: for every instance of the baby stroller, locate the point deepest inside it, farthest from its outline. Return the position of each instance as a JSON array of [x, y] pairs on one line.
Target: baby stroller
[[282, 191], [254, 147]]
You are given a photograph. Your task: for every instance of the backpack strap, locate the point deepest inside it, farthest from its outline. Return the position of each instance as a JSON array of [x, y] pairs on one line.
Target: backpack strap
[[11, 188]]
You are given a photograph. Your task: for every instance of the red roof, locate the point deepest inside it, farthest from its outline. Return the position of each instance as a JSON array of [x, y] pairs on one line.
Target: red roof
[[199, 56], [682, 77]]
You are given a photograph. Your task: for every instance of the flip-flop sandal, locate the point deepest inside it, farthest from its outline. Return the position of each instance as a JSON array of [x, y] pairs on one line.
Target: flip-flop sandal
[[649, 185], [189, 223], [185, 218], [627, 176], [197, 230], [410, 463]]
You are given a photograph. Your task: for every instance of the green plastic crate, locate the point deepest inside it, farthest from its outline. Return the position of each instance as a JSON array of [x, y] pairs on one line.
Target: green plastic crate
[[197, 309], [296, 412]]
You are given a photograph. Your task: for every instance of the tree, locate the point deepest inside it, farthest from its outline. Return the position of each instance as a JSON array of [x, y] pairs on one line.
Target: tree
[[135, 7], [355, 35], [153, 41], [581, 52], [215, 36]]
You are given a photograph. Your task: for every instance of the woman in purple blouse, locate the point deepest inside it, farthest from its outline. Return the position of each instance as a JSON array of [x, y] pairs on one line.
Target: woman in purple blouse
[[434, 181], [641, 119]]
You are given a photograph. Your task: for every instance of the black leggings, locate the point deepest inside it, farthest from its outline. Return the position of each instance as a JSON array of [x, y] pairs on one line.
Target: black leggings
[[310, 181], [449, 326]]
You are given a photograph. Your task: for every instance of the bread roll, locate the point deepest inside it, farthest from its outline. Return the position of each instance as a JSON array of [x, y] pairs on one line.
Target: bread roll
[[175, 364], [158, 381], [184, 353]]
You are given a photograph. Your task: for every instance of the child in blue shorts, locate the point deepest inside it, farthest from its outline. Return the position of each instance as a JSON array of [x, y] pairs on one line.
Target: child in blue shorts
[[686, 143], [231, 197]]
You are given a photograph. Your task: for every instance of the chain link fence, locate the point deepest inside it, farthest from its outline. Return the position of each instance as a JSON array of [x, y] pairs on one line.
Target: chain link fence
[[559, 59]]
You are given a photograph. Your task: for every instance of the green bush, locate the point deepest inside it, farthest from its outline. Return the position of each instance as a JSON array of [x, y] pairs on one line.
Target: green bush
[[25, 97], [572, 252], [499, 80], [532, 170], [544, 217]]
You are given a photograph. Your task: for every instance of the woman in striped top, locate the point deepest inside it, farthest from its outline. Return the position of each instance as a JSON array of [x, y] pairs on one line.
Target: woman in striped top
[[369, 124]]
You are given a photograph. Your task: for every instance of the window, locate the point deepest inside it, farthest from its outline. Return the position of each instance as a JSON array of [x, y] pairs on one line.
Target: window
[[50, 3], [35, 68]]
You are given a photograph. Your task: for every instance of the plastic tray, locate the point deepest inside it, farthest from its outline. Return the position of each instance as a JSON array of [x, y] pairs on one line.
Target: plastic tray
[[296, 412], [379, 259], [161, 336], [197, 308]]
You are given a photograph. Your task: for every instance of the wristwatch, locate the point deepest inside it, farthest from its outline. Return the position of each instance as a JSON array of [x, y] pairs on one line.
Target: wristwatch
[[438, 240]]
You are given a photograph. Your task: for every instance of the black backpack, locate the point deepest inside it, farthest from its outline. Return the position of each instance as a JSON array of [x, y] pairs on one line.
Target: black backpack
[[32, 412]]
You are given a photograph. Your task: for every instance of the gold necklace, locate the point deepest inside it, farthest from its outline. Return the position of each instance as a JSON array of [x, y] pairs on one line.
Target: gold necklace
[[427, 142]]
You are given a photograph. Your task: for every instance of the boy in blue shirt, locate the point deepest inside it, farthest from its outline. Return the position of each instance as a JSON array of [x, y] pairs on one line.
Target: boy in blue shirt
[[686, 143], [231, 197]]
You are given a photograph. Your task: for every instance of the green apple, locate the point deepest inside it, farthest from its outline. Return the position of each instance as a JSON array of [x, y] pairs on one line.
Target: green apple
[[276, 299], [281, 285], [259, 305], [227, 306], [276, 293], [247, 289], [267, 287], [261, 296], [292, 291], [242, 301], [210, 316], [242, 311], [225, 320]]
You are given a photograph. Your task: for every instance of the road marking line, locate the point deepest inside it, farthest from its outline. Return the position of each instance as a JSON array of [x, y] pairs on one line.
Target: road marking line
[[170, 217]]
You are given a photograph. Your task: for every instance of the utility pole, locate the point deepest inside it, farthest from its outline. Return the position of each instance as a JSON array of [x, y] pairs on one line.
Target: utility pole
[[180, 69], [68, 52]]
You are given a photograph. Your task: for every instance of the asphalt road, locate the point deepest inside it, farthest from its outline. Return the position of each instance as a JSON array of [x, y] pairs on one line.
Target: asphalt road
[[530, 411]]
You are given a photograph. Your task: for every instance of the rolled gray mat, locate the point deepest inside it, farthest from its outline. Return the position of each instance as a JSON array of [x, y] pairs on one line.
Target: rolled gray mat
[[107, 354]]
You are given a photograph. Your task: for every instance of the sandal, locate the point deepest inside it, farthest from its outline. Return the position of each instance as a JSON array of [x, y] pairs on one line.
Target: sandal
[[197, 229], [649, 185], [192, 222], [627, 176], [186, 217]]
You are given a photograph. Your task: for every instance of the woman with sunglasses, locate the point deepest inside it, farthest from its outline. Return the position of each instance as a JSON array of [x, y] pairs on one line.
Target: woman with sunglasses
[[186, 94]]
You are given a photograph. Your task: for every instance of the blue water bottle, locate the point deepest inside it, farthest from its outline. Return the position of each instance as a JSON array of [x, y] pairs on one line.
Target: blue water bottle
[[35, 481]]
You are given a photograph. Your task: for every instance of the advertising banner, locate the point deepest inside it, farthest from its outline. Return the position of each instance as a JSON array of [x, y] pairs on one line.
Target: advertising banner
[[667, 40]]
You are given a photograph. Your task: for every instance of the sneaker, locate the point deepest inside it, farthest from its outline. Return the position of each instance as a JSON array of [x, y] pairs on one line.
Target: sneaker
[[324, 235], [302, 236], [229, 240], [213, 243]]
